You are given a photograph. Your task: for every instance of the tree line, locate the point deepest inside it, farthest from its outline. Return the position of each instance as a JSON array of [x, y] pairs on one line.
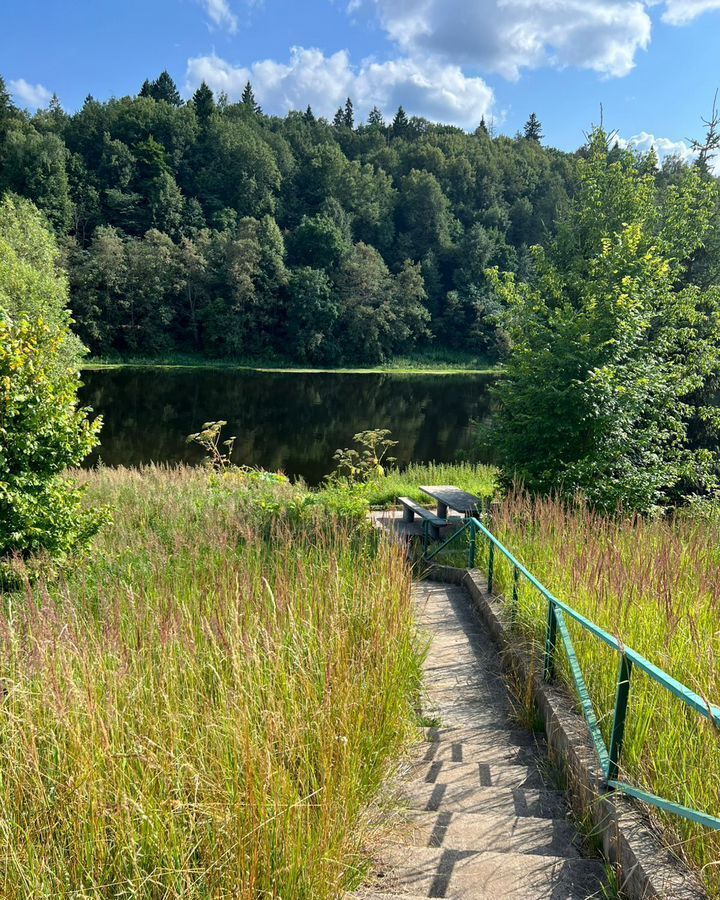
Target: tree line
[[210, 227]]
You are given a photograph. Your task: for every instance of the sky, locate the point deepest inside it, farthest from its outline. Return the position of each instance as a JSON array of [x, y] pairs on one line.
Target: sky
[[650, 68]]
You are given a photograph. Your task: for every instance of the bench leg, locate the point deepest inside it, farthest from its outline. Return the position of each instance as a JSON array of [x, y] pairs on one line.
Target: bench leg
[[435, 532], [408, 514], [442, 510]]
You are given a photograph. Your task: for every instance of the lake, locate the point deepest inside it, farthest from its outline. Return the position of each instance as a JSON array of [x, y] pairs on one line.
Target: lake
[[289, 421]]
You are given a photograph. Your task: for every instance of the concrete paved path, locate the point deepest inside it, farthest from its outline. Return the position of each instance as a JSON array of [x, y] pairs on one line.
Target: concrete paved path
[[482, 823]]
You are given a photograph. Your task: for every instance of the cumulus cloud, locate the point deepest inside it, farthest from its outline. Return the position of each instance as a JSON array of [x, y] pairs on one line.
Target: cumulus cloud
[[426, 87], [220, 14], [32, 95], [680, 12], [664, 147], [506, 36]]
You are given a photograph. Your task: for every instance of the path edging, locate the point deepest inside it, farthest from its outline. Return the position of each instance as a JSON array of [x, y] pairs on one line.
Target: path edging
[[648, 870]]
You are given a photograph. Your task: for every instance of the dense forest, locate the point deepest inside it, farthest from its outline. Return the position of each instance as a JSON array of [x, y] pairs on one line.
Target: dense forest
[[210, 227]]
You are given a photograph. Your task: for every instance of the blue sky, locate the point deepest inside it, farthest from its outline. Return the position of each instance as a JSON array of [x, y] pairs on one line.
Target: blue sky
[[654, 65]]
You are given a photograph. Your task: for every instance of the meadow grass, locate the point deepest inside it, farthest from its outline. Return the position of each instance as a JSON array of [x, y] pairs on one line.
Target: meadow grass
[[655, 585], [208, 705]]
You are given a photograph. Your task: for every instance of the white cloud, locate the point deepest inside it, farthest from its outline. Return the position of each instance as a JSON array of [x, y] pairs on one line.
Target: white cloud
[[506, 36], [32, 95], [681, 12], [221, 15], [664, 147], [426, 87]]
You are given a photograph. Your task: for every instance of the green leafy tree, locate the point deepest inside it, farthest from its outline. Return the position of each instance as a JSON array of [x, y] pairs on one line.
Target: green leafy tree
[[312, 313], [318, 242], [42, 431], [609, 346]]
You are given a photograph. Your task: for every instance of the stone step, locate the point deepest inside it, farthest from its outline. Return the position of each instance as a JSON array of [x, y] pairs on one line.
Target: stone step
[[491, 832], [479, 774], [440, 797], [472, 743], [488, 875]]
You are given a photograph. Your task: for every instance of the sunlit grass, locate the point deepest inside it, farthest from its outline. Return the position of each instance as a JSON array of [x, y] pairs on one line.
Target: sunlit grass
[[477, 479], [206, 706], [655, 585]]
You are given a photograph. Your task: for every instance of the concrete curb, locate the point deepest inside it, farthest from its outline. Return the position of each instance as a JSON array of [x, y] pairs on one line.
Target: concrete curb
[[648, 870]]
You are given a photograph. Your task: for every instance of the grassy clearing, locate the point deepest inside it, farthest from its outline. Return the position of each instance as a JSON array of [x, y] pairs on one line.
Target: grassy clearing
[[206, 706], [477, 479], [656, 586], [436, 362]]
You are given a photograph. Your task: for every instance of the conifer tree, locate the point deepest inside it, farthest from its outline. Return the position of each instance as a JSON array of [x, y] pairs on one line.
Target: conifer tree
[[204, 103], [533, 130], [400, 123], [376, 118], [339, 117], [349, 114], [248, 99], [165, 89]]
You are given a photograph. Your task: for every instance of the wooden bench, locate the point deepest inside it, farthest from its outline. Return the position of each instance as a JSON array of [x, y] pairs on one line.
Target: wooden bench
[[412, 509]]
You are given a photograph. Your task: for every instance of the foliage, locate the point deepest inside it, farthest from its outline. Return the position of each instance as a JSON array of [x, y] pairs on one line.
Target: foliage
[[41, 430], [211, 705], [201, 186], [209, 439], [368, 460], [41, 433], [610, 346]]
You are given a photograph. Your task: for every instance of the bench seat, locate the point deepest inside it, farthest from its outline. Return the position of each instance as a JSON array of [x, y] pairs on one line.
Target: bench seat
[[412, 509]]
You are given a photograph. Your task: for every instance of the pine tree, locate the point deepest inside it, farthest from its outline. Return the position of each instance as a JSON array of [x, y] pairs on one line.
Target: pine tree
[[248, 99], [349, 115], [376, 118], [204, 103], [165, 89], [533, 129], [146, 89], [400, 123], [482, 127], [309, 115], [339, 118]]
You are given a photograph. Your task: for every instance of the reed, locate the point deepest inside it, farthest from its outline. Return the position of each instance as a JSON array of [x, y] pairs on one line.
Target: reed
[[655, 585], [209, 704]]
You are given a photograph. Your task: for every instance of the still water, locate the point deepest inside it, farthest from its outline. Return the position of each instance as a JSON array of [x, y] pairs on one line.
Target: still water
[[283, 421]]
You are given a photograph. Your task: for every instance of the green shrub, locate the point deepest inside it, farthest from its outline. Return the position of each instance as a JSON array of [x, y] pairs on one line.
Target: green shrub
[[41, 433]]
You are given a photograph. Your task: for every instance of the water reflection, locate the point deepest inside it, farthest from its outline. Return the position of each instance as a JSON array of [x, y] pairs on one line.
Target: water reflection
[[288, 421]]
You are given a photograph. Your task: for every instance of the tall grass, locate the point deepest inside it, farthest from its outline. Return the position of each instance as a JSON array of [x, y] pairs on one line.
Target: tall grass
[[207, 705], [655, 585]]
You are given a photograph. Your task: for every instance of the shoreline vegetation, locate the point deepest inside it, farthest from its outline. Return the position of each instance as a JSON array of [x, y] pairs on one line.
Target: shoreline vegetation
[[419, 364]]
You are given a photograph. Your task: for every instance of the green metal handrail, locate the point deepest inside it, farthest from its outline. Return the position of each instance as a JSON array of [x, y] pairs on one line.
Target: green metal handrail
[[557, 611]]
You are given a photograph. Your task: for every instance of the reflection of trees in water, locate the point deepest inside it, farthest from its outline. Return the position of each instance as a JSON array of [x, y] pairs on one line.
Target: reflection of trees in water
[[282, 421]]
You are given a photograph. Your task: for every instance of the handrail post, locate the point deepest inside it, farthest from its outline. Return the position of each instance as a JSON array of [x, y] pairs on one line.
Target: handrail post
[[471, 547], [491, 567], [622, 695], [514, 604], [550, 641]]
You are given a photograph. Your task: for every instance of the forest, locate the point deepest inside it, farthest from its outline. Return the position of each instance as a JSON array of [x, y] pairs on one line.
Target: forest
[[208, 227]]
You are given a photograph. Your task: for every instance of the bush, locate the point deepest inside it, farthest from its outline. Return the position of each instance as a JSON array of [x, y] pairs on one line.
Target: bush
[[41, 433], [41, 430]]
